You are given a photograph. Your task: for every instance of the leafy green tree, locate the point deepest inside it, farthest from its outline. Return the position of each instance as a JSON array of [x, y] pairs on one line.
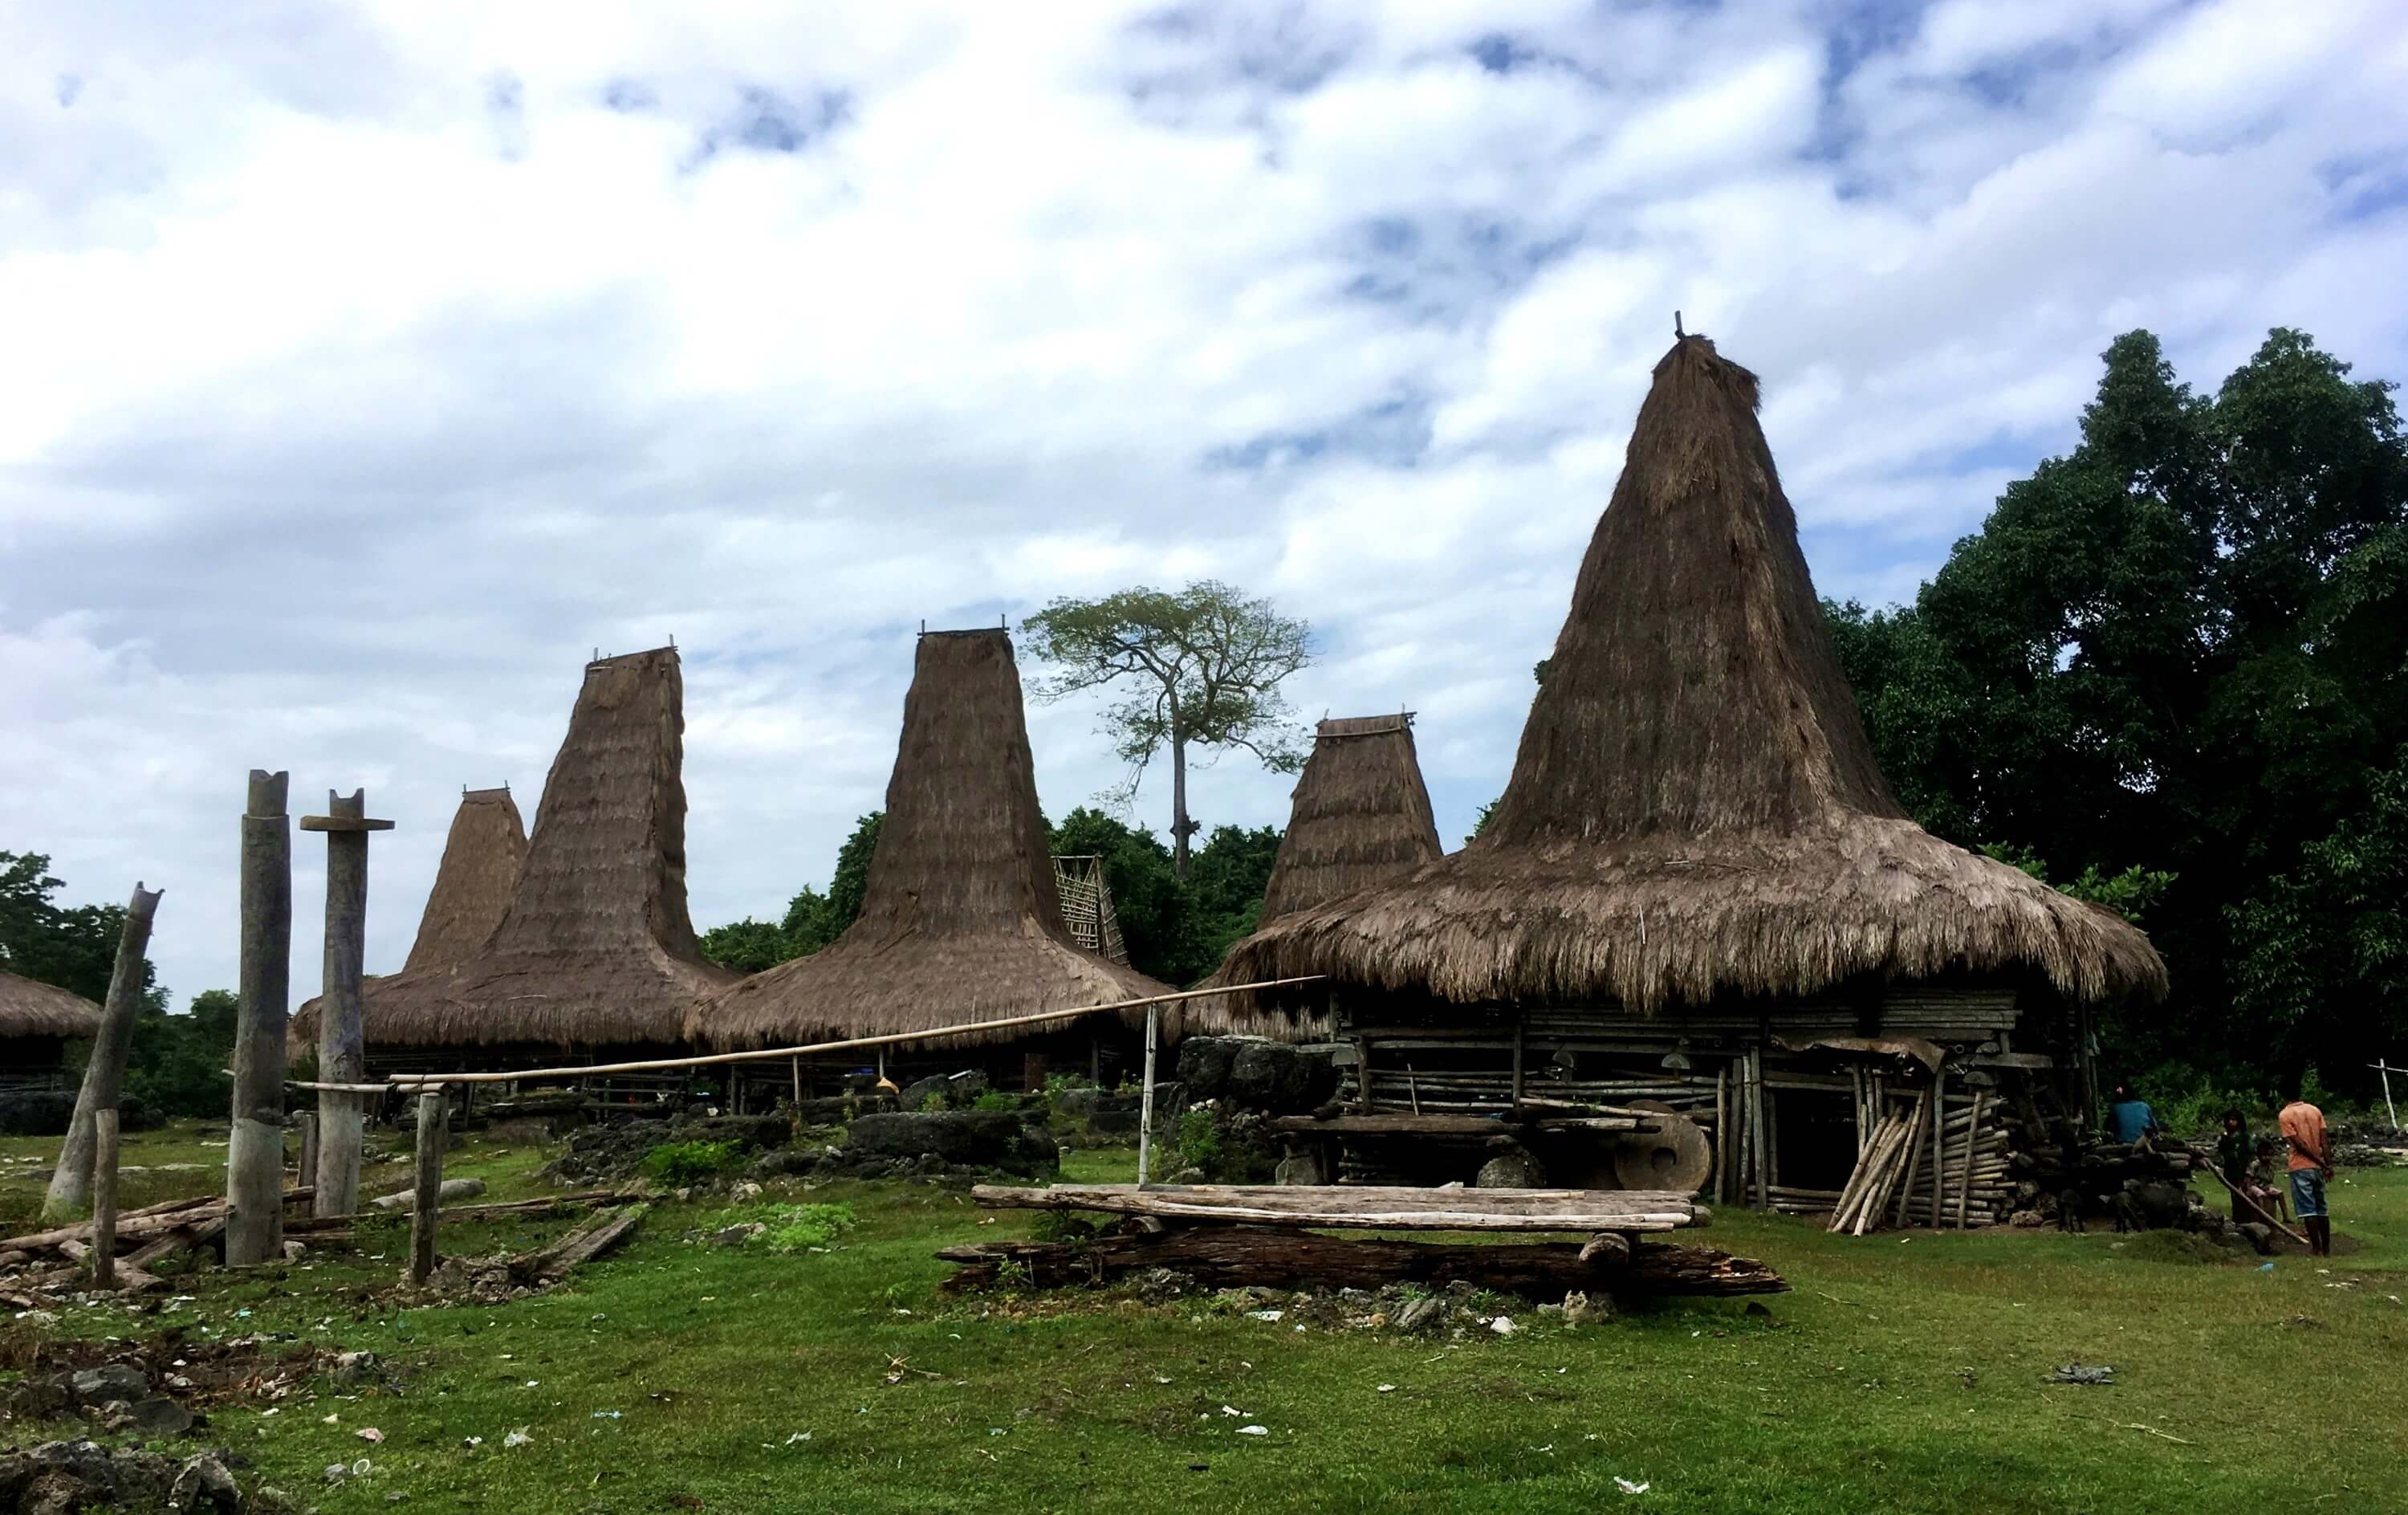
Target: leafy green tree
[[812, 920], [173, 1063], [1151, 901], [74, 947], [1204, 665], [2182, 642], [1226, 887]]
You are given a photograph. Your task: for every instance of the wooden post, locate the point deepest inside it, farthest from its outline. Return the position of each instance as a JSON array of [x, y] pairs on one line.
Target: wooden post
[[104, 1198], [255, 1144], [1721, 1134], [1939, 1114], [1145, 1099], [1964, 1174], [342, 1048], [1762, 1137], [1520, 1019], [797, 1064], [2383, 1067], [103, 1076], [1914, 1162], [308, 1167], [434, 1126]]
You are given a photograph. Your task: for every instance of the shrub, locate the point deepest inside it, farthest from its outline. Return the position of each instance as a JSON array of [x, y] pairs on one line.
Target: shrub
[[796, 1228], [993, 1098], [677, 1164]]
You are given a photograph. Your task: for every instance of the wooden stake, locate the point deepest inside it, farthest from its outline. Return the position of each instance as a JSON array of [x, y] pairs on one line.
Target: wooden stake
[[255, 1142], [1964, 1174], [1756, 1123], [342, 1048], [434, 1126], [1939, 1084], [1145, 1099], [308, 1165], [103, 1075], [1722, 1133], [1914, 1161], [104, 1198]]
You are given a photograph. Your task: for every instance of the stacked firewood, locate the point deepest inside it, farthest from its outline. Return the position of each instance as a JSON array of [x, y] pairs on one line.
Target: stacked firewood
[[1905, 1177]]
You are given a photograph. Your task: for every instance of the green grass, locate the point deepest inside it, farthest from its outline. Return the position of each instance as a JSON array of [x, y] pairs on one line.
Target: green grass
[[1904, 1374]]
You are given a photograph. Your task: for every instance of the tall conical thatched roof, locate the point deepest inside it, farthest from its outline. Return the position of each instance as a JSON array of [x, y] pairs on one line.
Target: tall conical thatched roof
[[597, 949], [1361, 815], [473, 885], [29, 1007], [960, 919], [1694, 811]]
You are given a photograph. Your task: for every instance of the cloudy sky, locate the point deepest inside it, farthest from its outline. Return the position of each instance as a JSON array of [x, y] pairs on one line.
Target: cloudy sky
[[368, 367]]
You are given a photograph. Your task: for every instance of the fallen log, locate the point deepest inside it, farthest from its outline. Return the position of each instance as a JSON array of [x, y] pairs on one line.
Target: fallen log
[[1230, 1257], [547, 1204], [556, 1261], [137, 1224], [406, 1201], [193, 1233], [1367, 1208]]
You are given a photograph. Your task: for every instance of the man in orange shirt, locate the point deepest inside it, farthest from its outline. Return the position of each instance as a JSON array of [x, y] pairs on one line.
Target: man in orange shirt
[[2303, 1132]]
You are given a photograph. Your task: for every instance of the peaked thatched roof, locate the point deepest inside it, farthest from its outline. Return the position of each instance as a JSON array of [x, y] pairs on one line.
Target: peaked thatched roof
[[960, 919], [1360, 816], [29, 1007], [1694, 811], [597, 949], [473, 885]]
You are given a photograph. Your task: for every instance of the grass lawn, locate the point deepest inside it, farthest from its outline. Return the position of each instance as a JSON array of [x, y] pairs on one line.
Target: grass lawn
[[1904, 1374]]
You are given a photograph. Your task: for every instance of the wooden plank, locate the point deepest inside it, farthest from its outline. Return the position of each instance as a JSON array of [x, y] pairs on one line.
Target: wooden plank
[[1367, 1208]]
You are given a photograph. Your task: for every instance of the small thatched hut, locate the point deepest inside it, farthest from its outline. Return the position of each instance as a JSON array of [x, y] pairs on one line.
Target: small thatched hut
[[482, 856], [1360, 816], [37, 1020], [1696, 873], [594, 960], [961, 919]]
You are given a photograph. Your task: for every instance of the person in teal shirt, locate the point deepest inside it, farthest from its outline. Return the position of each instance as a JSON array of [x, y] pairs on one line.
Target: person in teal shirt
[[2130, 1119]]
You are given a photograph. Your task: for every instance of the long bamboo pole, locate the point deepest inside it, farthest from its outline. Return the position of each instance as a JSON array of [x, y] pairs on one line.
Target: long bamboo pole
[[813, 1049], [1145, 1100]]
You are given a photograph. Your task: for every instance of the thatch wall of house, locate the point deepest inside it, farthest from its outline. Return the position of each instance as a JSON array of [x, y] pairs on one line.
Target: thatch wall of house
[[960, 918], [1694, 813]]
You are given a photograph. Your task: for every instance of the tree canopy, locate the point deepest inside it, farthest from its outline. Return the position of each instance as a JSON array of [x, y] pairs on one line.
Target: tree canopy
[[1204, 665], [2183, 648]]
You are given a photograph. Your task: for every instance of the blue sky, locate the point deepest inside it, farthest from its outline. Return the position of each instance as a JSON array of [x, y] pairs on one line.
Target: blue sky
[[371, 365]]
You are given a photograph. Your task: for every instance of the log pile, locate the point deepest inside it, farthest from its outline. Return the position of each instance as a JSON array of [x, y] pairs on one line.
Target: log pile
[[143, 1237], [1235, 1257], [1236, 1235]]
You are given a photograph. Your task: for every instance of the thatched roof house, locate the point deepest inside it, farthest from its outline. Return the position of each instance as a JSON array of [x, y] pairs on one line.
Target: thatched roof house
[[474, 883], [1360, 816], [31, 1008], [961, 919], [1695, 810], [1695, 825], [596, 950], [37, 1020]]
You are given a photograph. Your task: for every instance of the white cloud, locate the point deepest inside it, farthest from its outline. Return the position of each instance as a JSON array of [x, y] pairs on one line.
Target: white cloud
[[372, 365]]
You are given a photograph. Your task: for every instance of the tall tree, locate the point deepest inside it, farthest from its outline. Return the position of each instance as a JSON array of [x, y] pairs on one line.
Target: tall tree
[[74, 947], [1205, 664], [812, 921], [2183, 646]]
